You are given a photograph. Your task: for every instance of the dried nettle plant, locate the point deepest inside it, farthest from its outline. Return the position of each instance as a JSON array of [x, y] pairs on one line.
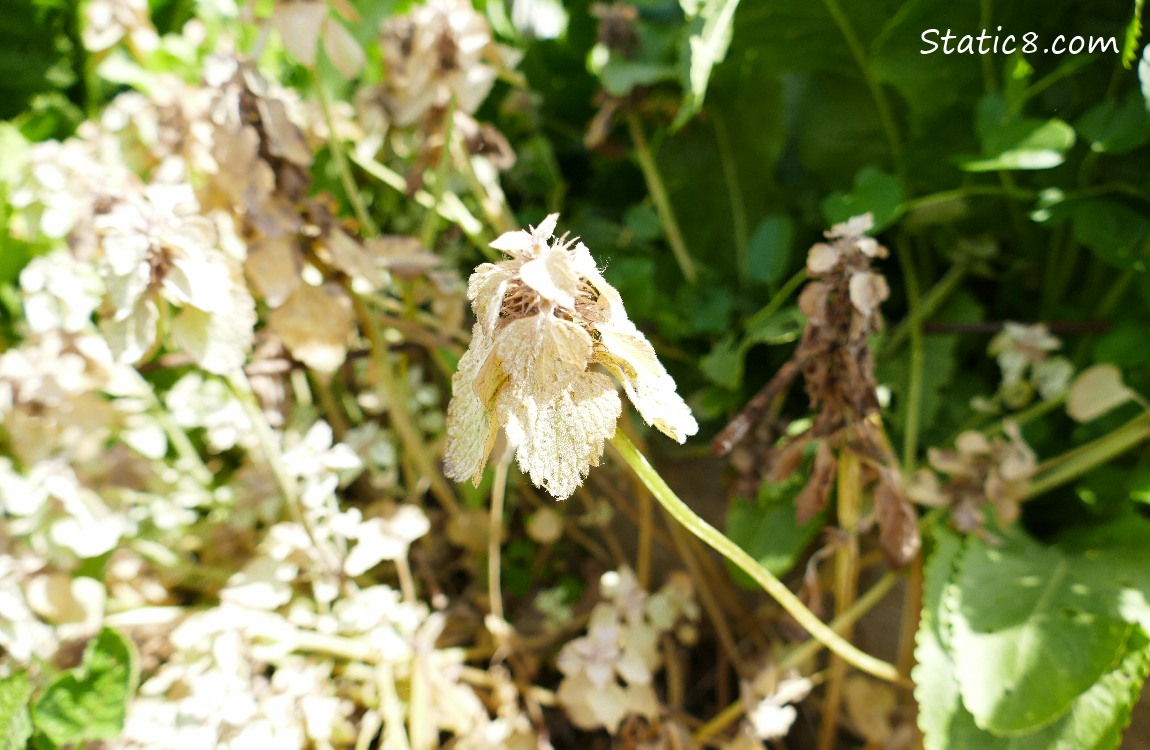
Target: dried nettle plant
[[547, 324]]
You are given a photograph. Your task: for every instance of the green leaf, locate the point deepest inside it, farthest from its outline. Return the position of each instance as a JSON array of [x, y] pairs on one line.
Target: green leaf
[[620, 75], [709, 37], [1132, 35], [1031, 631], [15, 723], [1094, 722], [1116, 233], [769, 251], [1113, 129], [766, 528], [874, 191], [1022, 144], [780, 327], [90, 702], [724, 363]]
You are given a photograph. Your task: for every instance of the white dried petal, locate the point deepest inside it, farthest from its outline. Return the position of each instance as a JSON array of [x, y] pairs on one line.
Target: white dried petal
[[299, 24], [471, 425], [627, 354], [342, 49], [552, 275], [543, 354], [868, 290], [558, 441], [273, 266], [1095, 391], [822, 258]]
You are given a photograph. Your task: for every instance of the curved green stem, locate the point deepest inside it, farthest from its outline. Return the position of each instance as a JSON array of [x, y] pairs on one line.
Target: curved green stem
[[915, 385], [660, 198], [738, 209], [728, 549]]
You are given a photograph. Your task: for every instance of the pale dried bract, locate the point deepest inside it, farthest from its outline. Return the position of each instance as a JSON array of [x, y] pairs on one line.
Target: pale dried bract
[[547, 326]]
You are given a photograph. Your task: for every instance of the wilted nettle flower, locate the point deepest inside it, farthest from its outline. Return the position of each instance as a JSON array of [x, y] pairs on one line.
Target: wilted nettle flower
[[545, 318]]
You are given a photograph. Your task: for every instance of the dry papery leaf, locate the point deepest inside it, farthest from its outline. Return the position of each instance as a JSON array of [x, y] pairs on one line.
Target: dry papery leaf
[[1095, 391]]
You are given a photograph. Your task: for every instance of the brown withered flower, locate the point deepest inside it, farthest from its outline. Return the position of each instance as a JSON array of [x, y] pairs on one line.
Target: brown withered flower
[[980, 471], [841, 305]]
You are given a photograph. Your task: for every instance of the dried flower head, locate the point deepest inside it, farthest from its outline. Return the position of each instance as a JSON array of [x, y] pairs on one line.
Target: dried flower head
[[1024, 355], [437, 53], [980, 470], [841, 305], [545, 318]]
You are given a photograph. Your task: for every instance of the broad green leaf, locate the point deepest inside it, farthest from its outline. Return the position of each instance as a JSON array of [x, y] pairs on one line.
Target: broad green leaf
[[935, 687], [769, 252], [710, 24], [1023, 144], [1094, 722], [1115, 232], [15, 723], [766, 528], [90, 702], [874, 191], [1110, 128], [620, 75], [1031, 631], [724, 363]]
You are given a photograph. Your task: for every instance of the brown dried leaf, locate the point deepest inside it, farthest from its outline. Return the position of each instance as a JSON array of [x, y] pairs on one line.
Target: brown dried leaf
[[897, 521], [813, 498], [315, 324]]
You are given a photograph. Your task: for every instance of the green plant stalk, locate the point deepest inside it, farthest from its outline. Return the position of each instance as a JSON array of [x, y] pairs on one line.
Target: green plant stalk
[[927, 305], [728, 549], [661, 199], [915, 385], [337, 153], [499, 214], [397, 411], [738, 209], [780, 297], [450, 207], [495, 532], [804, 651], [1073, 464]]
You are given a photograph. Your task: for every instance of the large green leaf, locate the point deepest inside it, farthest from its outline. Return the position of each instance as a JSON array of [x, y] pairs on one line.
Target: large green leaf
[[769, 251], [1023, 144], [1031, 631], [1112, 128], [1115, 232], [90, 702], [15, 723], [1094, 721]]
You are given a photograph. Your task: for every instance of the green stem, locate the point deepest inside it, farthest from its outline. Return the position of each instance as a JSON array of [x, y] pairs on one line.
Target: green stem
[[927, 306], [971, 191], [728, 549], [738, 209], [1073, 464], [778, 299], [915, 386], [449, 206], [859, 53], [662, 201], [337, 153], [401, 419]]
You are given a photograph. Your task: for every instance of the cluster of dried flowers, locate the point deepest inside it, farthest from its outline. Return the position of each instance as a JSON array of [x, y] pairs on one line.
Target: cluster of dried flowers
[[834, 356], [980, 471], [548, 325]]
